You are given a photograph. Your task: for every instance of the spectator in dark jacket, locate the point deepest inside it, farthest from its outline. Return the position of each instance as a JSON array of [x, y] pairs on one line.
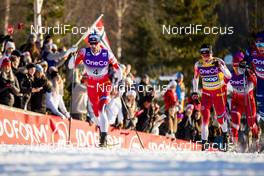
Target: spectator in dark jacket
[[15, 60], [26, 86], [190, 126], [38, 99], [143, 89], [145, 115], [9, 86]]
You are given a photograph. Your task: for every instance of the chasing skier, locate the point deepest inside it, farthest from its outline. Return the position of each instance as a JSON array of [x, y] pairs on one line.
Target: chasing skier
[[243, 82], [257, 61], [215, 75]]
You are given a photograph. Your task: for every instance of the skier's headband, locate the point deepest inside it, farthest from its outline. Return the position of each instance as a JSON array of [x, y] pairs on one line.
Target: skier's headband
[[205, 51], [260, 44]]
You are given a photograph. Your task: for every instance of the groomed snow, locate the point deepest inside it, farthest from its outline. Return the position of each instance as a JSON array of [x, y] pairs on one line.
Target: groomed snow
[[45, 160]]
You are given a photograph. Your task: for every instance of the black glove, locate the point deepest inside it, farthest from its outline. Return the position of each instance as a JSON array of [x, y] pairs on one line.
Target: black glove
[[247, 73], [243, 64], [216, 63]]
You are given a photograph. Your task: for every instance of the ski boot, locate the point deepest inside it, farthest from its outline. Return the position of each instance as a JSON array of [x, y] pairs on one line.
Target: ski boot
[[103, 141]]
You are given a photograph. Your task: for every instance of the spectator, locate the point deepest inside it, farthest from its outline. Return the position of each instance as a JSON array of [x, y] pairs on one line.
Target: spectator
[[129, 109], [44, 65], [54, 48], [26, 85], [145, 115], [190, 126], [143, 89], [26, 59], [9, 86], [128, 71], [32, 48], [79, 100], [170, 100], [55, 103], [50, 70], [15, 60], [38, 99], [9, 47], [114, 110], [180, 90], [54, 59]]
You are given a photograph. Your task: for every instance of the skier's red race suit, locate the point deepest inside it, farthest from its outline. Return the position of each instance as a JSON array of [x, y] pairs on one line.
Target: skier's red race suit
[[214, 79], [243, 101]]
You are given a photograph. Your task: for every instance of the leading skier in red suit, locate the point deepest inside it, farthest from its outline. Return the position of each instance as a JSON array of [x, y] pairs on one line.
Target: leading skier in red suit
[[97, 61]]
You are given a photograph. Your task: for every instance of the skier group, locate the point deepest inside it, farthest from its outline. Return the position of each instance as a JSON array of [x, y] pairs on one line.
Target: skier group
[[246, 76]]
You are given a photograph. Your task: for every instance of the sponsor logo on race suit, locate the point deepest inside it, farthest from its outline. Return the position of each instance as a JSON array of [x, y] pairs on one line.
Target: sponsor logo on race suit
[[259, 66], [101, 60], [208, 71]]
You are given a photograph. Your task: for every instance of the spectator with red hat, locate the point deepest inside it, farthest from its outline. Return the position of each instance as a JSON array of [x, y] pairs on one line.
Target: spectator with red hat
[[9, 86]]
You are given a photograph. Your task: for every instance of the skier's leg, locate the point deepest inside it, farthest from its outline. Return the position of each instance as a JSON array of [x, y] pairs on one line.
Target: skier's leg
[[205, 110], [252, 121], [93, 97], [103, 101], [220, 109], [235, 122]]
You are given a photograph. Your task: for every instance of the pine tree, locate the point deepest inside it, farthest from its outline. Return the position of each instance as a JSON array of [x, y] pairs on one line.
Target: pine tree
[[153, 51]]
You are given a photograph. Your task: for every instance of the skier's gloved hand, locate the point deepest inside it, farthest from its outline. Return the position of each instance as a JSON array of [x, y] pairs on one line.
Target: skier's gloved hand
[[216, 63], [243, 64], [247, 73]]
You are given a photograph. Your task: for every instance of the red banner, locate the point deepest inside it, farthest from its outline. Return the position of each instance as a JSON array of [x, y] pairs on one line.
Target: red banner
[[24, 127]]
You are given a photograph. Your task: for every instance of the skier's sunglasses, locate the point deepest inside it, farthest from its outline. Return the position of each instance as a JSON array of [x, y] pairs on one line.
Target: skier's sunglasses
[[93, 43], [260, 45]]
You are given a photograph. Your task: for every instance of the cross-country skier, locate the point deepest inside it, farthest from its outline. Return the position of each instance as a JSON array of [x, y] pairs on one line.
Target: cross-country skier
[[257, 61], [243, 82], [97, 61], [214, 74]]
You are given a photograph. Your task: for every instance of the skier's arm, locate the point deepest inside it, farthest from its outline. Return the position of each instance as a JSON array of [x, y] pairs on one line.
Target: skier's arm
[[251, 76], [115, 65], [195, 79], [224, 69]]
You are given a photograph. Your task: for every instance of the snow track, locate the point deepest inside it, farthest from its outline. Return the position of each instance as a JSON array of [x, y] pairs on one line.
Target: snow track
[[45, 160]]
